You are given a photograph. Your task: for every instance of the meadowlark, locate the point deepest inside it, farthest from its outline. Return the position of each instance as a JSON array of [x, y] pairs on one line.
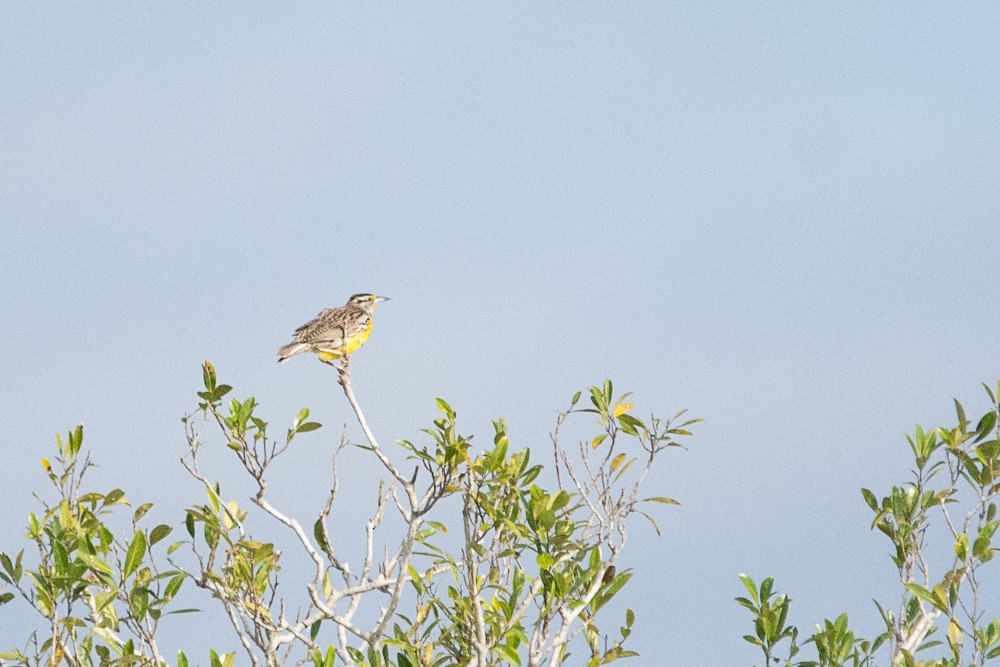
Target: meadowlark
[[336, 332]]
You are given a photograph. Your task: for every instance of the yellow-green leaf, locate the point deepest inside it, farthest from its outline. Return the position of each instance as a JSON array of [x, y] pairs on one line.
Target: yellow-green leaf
[[233, 513], [962, 546], [622, 408], [954, 633]]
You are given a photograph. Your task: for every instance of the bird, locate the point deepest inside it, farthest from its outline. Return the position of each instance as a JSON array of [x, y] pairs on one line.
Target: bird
[[335, 332]]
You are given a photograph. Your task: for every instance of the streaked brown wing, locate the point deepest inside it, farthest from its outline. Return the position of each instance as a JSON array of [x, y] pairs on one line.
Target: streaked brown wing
[[333, 325], [317, 322]]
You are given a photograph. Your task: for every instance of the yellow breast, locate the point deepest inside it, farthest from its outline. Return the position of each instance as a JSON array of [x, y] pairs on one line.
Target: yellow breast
[[351, 344]]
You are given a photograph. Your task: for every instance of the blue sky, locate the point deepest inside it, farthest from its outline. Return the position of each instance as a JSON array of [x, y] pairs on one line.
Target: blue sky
[[781, 216]]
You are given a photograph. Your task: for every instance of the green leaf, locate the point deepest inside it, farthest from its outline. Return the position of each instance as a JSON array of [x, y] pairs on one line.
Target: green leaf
[[630, 424], [765, 588], [509, 653], [7, 564], [612, 589], [981, 549], [749, 584], [96, 564], [182, 660], [870, 499], [985, 535], [619, 652], [444, 407], [309, 426], [661, 499], [61, 557], [159, 533], [926, 596], [986, 425], [301, 417], [962, 546], [76, 439], [140, 512], [136, 553], [115, 496], [208, 374], [139, 600], [988, 452], [173, 586], [320, 534], [651, 520]]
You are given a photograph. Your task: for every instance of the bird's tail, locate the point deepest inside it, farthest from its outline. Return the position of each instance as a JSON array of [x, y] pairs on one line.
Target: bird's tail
[[290, 350]]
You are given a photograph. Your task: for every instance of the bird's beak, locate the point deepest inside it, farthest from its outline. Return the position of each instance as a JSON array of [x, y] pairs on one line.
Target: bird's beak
[[381, 298]]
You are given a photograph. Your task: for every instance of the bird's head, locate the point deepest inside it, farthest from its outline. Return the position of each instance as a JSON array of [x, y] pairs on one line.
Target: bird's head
[[366, 302]]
